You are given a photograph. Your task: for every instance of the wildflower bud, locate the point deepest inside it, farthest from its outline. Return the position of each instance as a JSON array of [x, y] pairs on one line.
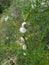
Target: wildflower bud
[[23, 24], [24, 54], [22, 30], [24, 47], [22, 39]]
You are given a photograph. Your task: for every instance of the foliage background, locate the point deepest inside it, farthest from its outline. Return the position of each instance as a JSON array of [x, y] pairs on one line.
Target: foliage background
[[37, 31]]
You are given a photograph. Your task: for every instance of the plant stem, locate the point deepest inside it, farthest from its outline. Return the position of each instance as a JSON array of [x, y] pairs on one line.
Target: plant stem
[[28, 15]]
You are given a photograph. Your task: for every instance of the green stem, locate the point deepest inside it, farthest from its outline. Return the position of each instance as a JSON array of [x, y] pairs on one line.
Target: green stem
[[28, 15]]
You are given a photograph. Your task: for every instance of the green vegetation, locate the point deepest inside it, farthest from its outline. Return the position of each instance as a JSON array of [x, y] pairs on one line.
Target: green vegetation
[[36, 14]]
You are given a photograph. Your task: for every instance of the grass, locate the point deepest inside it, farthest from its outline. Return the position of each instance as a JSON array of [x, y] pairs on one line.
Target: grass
[[37, 35]]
